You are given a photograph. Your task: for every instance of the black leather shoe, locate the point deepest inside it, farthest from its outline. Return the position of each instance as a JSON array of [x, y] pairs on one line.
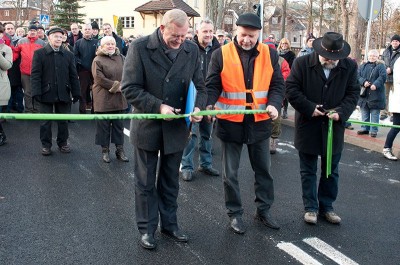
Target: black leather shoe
[[209, 171], [267, 220], [46, 151], [177, 235], [147, 241], [237, 225]]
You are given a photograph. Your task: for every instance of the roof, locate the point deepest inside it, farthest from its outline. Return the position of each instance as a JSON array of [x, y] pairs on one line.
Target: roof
[[165, 5]]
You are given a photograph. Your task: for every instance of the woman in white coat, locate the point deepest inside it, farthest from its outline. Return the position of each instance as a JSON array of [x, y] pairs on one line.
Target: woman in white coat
[[5, 88], [394, 108]]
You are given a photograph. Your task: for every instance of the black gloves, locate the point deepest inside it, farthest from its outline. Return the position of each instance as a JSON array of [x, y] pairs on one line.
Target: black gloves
[[75, 99]]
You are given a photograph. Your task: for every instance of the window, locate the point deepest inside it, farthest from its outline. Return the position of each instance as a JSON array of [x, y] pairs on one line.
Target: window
[[196, 4], [128, 22], [6, 13], [98, 20]]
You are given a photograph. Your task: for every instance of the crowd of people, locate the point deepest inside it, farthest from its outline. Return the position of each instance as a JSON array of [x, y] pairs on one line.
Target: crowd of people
[[152, 74]]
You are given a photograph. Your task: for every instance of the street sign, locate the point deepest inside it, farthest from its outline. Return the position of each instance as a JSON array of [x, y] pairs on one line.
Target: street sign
[[364, 7], [44, 19]]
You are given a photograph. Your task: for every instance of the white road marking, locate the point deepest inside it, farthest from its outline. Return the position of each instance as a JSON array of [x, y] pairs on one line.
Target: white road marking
[[329, 251], [298, 254]]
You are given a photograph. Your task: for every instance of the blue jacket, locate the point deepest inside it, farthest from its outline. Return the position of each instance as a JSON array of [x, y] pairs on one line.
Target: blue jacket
[[376, 74]]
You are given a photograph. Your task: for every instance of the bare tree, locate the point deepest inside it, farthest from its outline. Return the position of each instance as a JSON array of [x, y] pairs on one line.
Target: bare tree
[[284, 7]]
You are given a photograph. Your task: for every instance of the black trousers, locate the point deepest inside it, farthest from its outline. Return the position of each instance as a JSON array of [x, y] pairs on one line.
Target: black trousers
[[109, 130], [45, 128], [156, 192], [86, 81], [260, 160]]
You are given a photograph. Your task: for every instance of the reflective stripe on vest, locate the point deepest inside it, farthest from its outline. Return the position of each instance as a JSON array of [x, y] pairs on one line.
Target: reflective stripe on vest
[[233, 96]]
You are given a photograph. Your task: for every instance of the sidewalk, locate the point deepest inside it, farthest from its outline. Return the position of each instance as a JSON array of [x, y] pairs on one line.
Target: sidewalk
[[364, 141]]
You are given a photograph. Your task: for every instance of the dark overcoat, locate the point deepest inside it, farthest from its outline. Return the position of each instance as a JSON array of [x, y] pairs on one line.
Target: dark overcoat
[[375, 73], [54, 77], [307, 87], [150, 79]]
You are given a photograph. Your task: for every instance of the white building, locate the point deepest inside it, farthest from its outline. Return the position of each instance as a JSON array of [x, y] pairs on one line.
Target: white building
[[137, 23]]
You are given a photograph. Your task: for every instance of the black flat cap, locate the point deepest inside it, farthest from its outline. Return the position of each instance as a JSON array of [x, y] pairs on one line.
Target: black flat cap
[[54, 30], [249, 20]]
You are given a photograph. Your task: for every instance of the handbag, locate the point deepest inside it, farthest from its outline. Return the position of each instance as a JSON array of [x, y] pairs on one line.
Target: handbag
[[363, 90]]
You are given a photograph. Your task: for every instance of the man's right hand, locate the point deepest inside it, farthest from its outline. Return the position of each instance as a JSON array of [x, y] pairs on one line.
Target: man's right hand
[[166, 109]]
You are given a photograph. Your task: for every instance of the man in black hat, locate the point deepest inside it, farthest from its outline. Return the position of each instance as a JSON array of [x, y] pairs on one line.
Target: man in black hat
[[321, 86], [41, 33], [95, 30], [54, 88], [245, 74], [389, 56]]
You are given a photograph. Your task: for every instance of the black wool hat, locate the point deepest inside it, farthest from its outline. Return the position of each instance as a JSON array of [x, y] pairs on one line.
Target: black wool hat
[[32, 27], [332, 46], [395, 37], [249, 20], [54, 30], [40, 27], [95, 25]]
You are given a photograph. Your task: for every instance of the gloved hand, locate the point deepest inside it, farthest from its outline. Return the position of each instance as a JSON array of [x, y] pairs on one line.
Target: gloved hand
[[75, 99]]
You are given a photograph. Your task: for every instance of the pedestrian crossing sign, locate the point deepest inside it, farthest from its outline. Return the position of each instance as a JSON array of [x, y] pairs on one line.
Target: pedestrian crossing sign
[[44, 19]]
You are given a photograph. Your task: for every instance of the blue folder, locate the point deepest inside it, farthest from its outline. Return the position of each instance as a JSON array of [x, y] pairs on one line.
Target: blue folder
[[191, 98]]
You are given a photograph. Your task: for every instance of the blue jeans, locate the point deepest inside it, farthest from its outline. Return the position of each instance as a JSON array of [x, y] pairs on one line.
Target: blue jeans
[[369, 115], [204, 129], [322, 199]]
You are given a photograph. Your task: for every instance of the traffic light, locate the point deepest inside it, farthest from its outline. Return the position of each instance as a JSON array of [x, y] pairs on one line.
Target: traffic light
[[257, 9]]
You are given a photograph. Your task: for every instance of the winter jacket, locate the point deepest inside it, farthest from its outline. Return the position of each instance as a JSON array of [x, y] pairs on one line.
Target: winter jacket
[[306, 87], [107, 74], [25, 49], [150, 79], [394, 96], [375, 73], [305, 51], [70, 38], [54, 77], [85, 51], [205, 56], [5, 64], [288, 55], [389, 56], [248, 131]]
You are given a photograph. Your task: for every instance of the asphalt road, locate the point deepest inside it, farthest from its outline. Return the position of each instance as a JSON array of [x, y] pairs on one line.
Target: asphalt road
[[75, 209]]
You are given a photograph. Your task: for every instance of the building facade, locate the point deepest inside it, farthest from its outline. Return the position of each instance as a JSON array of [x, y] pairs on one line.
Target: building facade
[[134, 23]]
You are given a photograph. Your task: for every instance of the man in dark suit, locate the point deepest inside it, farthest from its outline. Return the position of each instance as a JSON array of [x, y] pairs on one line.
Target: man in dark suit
[[157, 72], [322, 85], [54, 81]]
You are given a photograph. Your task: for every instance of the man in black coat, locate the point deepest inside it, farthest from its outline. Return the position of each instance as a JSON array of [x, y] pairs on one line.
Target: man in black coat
[[321, 86], [245, 74], [54, 80], [157, 73], [85, 51]]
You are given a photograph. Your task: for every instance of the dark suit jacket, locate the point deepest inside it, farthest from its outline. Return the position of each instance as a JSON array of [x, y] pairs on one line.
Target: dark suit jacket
[[54, 77], [150, 79], [306, 87]]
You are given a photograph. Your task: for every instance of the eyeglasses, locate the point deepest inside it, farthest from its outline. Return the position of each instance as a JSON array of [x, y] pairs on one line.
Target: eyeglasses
[[285, 43]]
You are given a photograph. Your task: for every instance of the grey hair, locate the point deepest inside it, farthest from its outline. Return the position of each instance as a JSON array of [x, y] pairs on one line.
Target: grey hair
[[175, 16], [87, 25], [206, 21], [106, 39], [373, 51]]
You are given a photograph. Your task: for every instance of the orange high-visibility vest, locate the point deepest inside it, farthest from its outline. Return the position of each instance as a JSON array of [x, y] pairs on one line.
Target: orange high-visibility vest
[[233, 96]]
